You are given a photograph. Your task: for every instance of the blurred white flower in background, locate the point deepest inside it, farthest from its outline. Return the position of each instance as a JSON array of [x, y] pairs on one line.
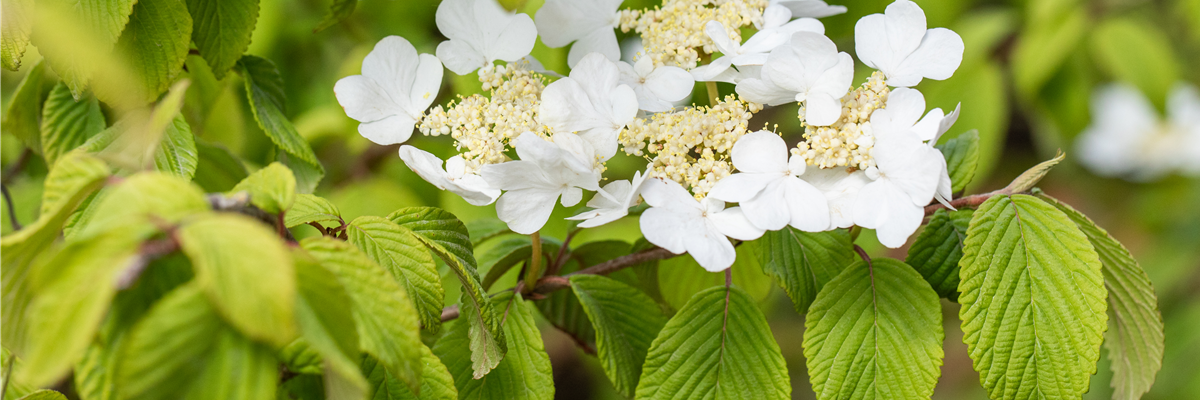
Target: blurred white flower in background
[[676, 221], [897, 43], [807, 69], [481, 32], [473, 188], [547, 170], [395, 88], [591, 102], [1129, 139], [590, 24], [769, 187], [657, 89]]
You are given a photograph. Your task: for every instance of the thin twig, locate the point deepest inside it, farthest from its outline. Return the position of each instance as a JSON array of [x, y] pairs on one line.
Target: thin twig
[[16, 166], [7, 375], [972, 201], [12, 212], [449, 313]]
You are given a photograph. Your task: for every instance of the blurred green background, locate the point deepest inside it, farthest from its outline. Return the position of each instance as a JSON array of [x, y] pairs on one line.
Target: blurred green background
[[1027, 75]]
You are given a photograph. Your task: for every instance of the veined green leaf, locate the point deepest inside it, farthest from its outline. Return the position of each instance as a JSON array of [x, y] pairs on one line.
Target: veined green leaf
[[71, 180], [483, 229], [803, 262], [687, 278], [447, 238], [962, 155], [326, 322], [156, 41], [44, 394], [264, 88], [524, 373], [388, 326], [165, 197], [936, 252], [72, 294], [183, 350], [1032, 298], [626, 322], [309, 208], [402, 254], [66, 123], [272, 189], [177, 153], [874, 333], [101, 20], [302, 358], [436, 382], [23, 115], [499, 259], [338, 11], [562, 308], [730, 353], [18, 23], [222, 30], [246, 272], [217, 170], [1135, 340]]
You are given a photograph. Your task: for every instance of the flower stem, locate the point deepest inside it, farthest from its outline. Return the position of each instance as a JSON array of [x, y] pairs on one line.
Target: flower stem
[[535, 263], [713, 96]]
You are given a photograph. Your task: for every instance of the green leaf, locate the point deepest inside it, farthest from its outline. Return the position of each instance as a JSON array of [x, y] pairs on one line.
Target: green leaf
[[1137, 52], [562, 308], [156, 42], [177, 153], [301, 358], [22, 117], [309, 208], [44, 394], [156, 195], [67, 184], [447, 238], [246, 272], [524, 373], [338, 11], [874, 332], [388, 325], [397, 250], [626, 322], [15, 389], [73, 293], [686, 277], [499, 259], [962, 154], [936, 252], [1135, 337], [18, 23], [730, 353], [272, 189], [264, 89], [483, 229], [803, 262], [1028, 179], [221, 30], [217, 169], [1045, 44], [100, 20], [66, 123], [325, 317], [436, 382], [1032, 300], [183, 350]]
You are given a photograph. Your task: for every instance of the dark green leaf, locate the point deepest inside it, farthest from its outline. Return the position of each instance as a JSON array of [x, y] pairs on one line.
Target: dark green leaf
[[177, 153], [156, 41], [388, 325], [397, 250], [563, 310], [626, 322], [483, 229], [23, 115], [301, 358], [217, 170], [338, 11], [272, 189], [221, 30], [44, 394], [66, 123], [1032, 298], [308, 208], [686, 278], [264, 88], [524, 373], [499, 259], [436, 382], [802, 262], [246, 272], [874, 333], [962, 155], [18, 22], [936, 252], [727, 348]]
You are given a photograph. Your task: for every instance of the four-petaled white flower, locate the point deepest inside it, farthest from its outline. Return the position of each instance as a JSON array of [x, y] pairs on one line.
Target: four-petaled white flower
[[481, 32], [473, 188], [748, 56], [546, 171], [768, 186], [612, 202], [395, 88], [677, 222], [591, 102], [1128, 138], [897, 43], [656, 88], [810, 8], [840, 188], [903, 113], [807, 69], [588, 23]]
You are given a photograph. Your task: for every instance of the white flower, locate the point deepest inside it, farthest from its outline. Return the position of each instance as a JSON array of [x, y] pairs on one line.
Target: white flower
[[588, 23], [840, 188], [776, 31], [395, 88], [656, 88], [612, 202], [903, 113], [546, 171], [1183, 111], [807, 69], [677, 222], [897, 44], [768, 186], [810, 8], [590, 102], [1128, 138], [480, 32], [454, 178]]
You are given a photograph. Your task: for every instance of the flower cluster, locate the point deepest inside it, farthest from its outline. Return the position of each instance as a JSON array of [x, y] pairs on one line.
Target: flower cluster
[[865, 157], [1127, 138]]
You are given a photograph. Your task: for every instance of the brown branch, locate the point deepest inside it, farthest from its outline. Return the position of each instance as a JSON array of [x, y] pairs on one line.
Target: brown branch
[[972, 201], [449, 313]]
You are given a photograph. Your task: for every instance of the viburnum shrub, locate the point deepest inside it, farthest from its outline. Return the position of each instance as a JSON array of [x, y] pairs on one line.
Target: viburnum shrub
[[138, 284]]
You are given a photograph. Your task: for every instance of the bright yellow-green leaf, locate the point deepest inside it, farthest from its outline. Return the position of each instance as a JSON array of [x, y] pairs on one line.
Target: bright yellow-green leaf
[[18, 23], [523, 374], [21, 118], [401, 253], [272, 189], [66, 123]]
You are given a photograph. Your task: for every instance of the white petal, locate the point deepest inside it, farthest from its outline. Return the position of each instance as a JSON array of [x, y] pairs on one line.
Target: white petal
[[946, 123], [515, 41], [808, 207], [526, 210], [668, 228], [812, 8], [426, 84], [670, 83], [711, 250], [602, 40], [600, 217], [459, 57], [709, 72], [798, 65], [565, 107], [514, 175], [904, 107], [560, 22], [910, 165], [760, 91], [804, 25], [571, 196], [821, 109], [456, 167], [886, 208], [390, 130], [425, 164], [364, 100], [741, 187], [938, 56], [841, 190], [732, 222], [836, 80], [927, 128], [769, 209], [775, 16], [619, 190], [644, 66], [892, 38], [760, 152], [474, 189], [669, 194], [716, 31], [393, 64]]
